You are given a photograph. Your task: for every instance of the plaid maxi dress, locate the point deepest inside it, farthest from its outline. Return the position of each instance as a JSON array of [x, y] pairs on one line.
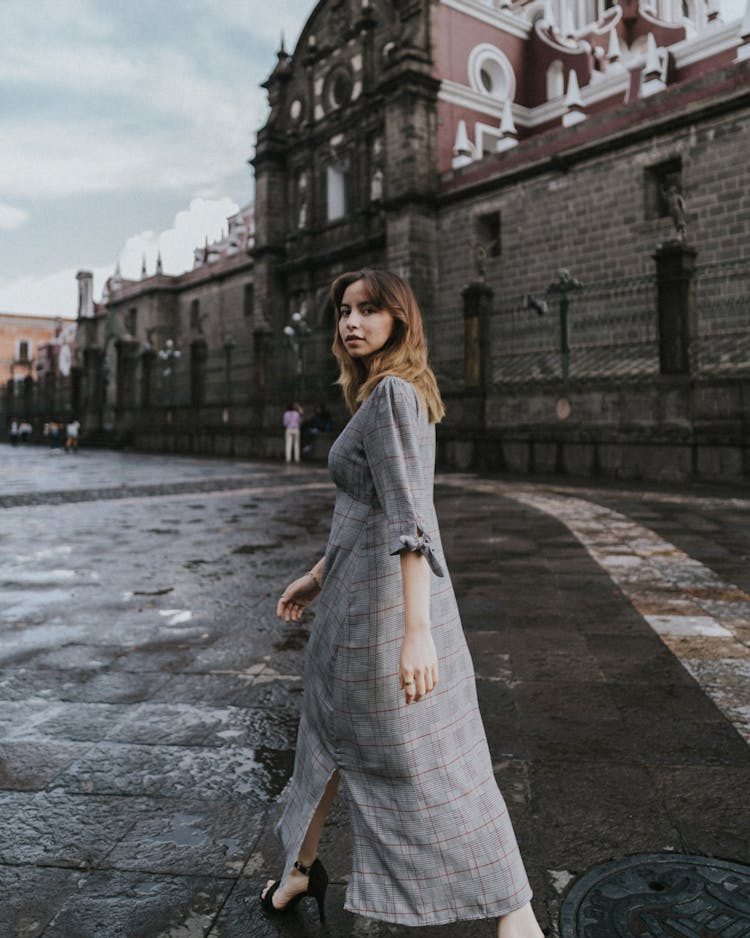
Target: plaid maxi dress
[[432, 840]]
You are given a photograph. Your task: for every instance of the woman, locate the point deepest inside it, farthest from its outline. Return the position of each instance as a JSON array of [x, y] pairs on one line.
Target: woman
[[390, 708]]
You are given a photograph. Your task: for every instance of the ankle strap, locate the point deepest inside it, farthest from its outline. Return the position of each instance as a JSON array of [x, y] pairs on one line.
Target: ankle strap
[[305, 870]]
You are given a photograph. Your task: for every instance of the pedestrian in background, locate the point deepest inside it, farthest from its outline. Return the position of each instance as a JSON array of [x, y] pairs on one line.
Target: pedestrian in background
[[24, 431], [292, 423], [13, 433], [53, 432], [390, 707], [72, 430]]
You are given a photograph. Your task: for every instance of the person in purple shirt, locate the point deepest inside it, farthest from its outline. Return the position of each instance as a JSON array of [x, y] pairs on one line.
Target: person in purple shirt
[[292, 423]]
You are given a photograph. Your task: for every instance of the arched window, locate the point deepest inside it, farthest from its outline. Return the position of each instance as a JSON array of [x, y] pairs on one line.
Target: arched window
[[555, 80], [336, 191]]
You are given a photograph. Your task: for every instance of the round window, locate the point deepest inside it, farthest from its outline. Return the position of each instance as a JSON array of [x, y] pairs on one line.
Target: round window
[[338, 90], [492, 77], [491, 73]]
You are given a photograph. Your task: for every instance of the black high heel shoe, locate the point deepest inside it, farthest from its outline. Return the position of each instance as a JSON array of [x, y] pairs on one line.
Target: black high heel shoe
[[316, 889]]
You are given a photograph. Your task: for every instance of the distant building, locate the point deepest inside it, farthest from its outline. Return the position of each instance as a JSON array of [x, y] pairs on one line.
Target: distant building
[[564, 182], [31, 349], [20, 338]]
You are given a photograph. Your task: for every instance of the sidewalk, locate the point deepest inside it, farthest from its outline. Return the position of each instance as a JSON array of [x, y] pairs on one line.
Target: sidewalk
[[149, 697]]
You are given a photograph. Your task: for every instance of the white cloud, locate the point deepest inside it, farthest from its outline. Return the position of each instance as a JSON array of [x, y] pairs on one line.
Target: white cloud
[[11, 217], [87, 159], [204, 218], [56, 294], [126, 111]]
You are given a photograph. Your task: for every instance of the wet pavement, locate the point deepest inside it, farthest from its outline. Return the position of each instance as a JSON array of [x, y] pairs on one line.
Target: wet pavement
[[149, 697]]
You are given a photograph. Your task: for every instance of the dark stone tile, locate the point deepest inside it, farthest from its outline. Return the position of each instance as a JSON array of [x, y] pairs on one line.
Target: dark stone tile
[[31, 897], [709, 806], [17, 716], [79, 721], [83, 685], [637, 659], [673, 702], [553, 663], [31, 764], [179, 772], [213, 690], [114, 903], [191, 725], [190, 837], [587, 812], [78, 657], [660, 740], [571, 699], [491, 660], [55, 828]]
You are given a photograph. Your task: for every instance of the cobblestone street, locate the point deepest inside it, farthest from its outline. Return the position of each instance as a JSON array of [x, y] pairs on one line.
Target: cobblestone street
[[149, 697]]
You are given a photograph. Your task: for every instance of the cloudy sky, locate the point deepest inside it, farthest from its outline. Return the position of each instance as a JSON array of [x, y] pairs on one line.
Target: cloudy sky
[[125, 126]]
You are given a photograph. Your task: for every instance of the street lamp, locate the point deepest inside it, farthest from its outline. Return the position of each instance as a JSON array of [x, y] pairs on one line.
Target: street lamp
[[171, 356], [229, 345], [564, 285], [297, 333], [561, 287]]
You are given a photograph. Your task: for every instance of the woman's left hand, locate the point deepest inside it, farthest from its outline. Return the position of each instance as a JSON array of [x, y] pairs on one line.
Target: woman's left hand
[[418, 667]]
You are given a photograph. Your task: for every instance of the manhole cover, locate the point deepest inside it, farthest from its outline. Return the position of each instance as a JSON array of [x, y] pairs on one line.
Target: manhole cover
[[661, 895]]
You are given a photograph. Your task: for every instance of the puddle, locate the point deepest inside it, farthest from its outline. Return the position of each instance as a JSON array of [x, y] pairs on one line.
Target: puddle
[[176, 616], [22, 604], [253, 548], [162, 592], [162, 531], [19, 577], [276, 769], [186, 831]]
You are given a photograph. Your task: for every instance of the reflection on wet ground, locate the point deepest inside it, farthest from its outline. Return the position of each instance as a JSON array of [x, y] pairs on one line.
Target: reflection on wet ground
[[149, 697]]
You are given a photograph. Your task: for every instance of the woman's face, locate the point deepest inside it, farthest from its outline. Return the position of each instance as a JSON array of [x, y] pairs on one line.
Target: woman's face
[[363, 328]]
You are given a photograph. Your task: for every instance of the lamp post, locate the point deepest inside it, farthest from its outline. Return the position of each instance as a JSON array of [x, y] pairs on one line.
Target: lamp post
[[229, 345], [564, 285], [297, 332], [561, 287], [170, 355]]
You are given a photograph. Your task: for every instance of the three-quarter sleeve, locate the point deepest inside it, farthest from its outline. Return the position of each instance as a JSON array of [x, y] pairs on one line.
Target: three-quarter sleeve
[[393, 454]]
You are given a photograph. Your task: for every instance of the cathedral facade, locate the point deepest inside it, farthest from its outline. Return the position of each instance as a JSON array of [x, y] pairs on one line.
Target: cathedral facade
[[563, 182]]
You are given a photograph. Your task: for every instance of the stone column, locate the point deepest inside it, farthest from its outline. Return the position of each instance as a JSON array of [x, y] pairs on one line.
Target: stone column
[[677, 313], [477, 297]]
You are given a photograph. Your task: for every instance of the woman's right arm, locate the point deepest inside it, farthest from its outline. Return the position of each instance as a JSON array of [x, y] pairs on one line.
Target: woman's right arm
[[300, 593]]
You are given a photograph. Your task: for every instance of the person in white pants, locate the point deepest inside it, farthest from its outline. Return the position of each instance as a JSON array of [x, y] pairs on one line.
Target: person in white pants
[[292, 421]]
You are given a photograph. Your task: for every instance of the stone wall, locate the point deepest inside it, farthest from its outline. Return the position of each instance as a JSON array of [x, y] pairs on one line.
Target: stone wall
[[598, 215]]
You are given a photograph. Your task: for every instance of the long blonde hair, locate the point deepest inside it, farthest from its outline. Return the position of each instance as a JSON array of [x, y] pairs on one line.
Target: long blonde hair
[[404, 355]]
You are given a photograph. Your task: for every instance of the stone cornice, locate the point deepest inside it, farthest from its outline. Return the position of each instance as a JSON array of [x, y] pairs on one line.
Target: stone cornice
[[712, 41], [559, 148], [226, 267], [454, 93], [501, 19]]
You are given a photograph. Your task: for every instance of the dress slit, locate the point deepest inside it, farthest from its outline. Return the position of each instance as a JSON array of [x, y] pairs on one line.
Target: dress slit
[[295, 821]]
